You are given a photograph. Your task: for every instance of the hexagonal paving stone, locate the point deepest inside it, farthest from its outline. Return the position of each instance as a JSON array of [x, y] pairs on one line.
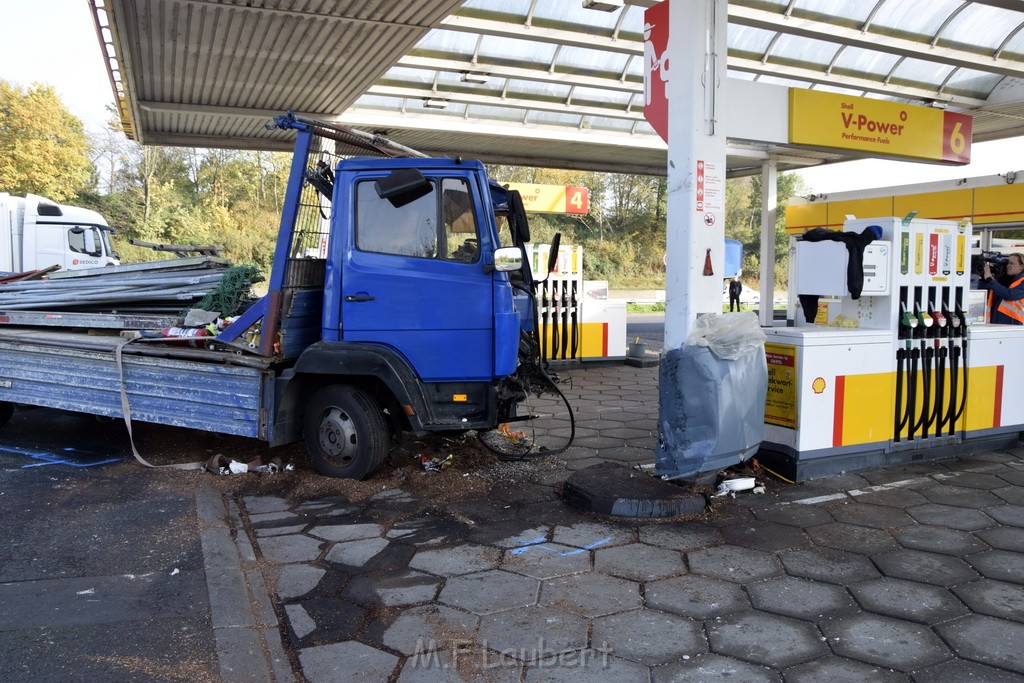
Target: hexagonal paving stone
[[712, 667], [427, 531], [839, 670], [733, 564], [1011, 494], [405, 587], [430, 627], [978, 480], [587, 665], [278, 523], [681, 535], [908, 600], [937, 539], [462, 559], [591, 595], [526, 537], [999, 564], [766, 639], [699, 597], [360, 662], [547, 560], [833, 566], [1010, 515], [288, 549], [958, 671], [648, 636], [885, 642], [346, 532], [801, 598], [295, 580], [593, 535], [491, 591], [874, 516], [255, 505], [1003, 538], [801, 516], [994, 598], [965, 519], [896, 498], [917, 565], [959, 496], [767, 536], [459, 665], [356, 553], [1013, 475], [534, 633], [852, 538], [639, 562], [988, 640]]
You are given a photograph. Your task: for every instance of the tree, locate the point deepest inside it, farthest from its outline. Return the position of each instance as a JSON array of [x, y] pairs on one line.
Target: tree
[[43, 148]]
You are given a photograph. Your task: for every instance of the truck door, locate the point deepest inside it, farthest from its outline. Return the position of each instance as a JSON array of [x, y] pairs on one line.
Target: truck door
[[413, 278]]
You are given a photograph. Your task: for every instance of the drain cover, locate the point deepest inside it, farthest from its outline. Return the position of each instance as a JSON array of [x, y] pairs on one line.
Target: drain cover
[[613, 489]]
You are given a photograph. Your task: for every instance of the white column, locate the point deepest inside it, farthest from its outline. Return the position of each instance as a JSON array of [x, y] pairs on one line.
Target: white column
[[696, 164], [769, 199]]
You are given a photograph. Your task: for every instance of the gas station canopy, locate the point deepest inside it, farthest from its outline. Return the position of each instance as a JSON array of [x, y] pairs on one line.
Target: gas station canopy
[[551, 83]]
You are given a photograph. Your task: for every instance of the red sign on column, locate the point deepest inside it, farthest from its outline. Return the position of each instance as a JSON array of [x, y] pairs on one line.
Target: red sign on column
[[933, 254], [656, 67], [700, 184]]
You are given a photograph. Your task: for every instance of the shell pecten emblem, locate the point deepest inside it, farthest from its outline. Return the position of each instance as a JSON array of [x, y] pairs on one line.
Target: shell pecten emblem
[[818, 385]]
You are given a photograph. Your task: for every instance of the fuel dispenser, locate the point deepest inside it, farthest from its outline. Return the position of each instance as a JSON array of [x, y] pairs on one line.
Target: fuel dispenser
[[881, 364]]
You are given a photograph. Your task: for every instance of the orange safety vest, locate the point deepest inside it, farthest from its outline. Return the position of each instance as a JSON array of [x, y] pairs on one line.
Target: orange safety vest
[[1012, 309]]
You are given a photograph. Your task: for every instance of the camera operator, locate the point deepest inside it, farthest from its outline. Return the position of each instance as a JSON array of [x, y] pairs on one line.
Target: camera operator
[[1006, 297]]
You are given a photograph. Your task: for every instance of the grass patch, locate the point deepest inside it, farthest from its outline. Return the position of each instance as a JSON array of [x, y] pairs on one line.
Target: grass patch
[[646, 308]]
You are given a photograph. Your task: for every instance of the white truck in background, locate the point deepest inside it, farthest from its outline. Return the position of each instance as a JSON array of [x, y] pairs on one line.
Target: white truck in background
[[36, 233]]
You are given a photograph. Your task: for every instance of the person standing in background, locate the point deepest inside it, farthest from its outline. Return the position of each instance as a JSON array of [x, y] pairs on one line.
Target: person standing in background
[[735, 288]]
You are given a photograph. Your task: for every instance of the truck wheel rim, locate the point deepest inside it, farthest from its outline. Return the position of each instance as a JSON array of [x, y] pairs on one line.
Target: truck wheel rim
[[337, 436]]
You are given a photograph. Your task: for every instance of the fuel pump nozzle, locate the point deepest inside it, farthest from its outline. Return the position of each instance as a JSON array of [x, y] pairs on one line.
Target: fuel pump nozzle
[[907, 322], [953, 321], [924, 320]]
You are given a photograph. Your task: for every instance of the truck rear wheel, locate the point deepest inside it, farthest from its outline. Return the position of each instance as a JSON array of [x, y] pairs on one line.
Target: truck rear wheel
[[345, 433]]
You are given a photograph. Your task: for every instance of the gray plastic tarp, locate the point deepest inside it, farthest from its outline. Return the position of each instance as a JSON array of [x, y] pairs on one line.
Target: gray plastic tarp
[[712, 394]]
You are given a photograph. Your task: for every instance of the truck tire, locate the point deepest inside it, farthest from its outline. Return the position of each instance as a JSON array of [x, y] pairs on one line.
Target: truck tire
[[345, 433], [6, 411]]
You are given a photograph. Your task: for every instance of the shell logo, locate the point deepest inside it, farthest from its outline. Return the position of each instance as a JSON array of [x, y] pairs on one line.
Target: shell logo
[[818, 385]]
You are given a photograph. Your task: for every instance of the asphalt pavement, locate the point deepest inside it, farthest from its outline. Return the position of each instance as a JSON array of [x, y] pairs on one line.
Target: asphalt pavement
[[482, 572]]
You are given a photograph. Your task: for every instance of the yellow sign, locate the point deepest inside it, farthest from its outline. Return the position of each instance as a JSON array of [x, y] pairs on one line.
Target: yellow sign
[[878, 127], [780, 404], [553, 198]]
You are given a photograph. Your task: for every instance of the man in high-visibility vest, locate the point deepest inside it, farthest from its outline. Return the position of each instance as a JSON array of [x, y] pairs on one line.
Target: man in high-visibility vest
[[1006, 298]]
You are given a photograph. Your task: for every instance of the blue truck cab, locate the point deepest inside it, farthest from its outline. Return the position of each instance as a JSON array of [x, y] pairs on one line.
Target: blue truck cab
[[399, 300]]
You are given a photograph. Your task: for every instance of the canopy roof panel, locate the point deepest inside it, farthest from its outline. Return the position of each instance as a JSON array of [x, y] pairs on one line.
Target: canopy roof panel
[[537, 82]]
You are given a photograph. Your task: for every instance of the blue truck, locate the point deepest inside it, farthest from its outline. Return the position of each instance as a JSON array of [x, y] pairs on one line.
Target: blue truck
[[399, 300]]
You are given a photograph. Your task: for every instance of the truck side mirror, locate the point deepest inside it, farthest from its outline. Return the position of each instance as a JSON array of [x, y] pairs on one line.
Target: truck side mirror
[[507, 259], [518, 213], [90, 242], [403, 186], [556, 242]]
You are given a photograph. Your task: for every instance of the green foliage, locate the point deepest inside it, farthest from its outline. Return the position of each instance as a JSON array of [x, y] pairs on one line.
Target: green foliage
[[233, 198], [43, 148]]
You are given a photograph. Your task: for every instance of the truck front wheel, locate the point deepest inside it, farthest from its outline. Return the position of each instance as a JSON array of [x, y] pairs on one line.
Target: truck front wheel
[[345, 433]]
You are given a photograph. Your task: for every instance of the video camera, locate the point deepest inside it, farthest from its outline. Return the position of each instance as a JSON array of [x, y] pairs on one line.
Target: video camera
[[996, 261]]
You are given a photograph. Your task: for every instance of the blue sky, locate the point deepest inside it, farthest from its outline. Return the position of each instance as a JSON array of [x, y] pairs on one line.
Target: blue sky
[[54, 42]]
